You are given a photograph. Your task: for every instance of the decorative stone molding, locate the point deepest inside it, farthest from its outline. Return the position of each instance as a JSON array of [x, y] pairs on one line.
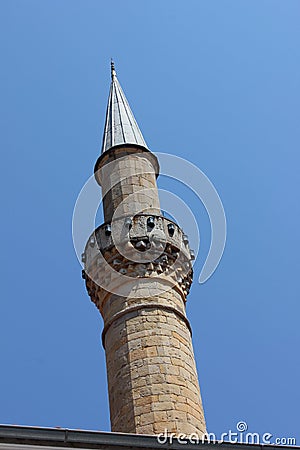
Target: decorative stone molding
[[143, 246]]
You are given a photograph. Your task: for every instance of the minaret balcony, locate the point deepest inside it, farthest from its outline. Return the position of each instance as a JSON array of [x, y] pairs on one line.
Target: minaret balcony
[[141, 246]]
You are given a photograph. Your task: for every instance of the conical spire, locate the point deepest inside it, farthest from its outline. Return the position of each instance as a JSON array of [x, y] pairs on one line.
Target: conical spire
[[120, 124]]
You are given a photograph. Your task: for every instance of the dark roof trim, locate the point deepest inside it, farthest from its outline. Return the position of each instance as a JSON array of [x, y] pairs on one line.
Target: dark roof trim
[[65, 438]]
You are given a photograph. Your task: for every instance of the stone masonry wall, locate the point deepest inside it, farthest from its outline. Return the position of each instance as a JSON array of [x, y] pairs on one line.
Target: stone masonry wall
[[152, 378], [129, 186]]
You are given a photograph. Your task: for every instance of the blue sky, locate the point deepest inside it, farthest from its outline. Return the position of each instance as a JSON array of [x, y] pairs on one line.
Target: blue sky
[[215, 82]]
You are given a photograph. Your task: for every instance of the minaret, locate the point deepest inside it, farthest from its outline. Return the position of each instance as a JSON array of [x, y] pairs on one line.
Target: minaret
[[138, 271]]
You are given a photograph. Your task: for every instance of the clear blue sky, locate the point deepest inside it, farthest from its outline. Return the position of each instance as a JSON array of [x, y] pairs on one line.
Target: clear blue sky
[[216, 82]]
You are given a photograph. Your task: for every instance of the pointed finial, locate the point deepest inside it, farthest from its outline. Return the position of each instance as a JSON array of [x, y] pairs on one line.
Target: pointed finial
[[112, 68]]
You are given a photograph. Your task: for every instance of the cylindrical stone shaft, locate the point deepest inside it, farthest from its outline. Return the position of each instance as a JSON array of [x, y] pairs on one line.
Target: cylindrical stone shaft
[[152, 378]]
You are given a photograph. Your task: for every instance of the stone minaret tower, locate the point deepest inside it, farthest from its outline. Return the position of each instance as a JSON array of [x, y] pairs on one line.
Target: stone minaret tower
[[138, 271]]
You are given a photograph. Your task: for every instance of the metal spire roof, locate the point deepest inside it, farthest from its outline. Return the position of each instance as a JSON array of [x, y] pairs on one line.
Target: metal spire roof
[[120, 124]]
